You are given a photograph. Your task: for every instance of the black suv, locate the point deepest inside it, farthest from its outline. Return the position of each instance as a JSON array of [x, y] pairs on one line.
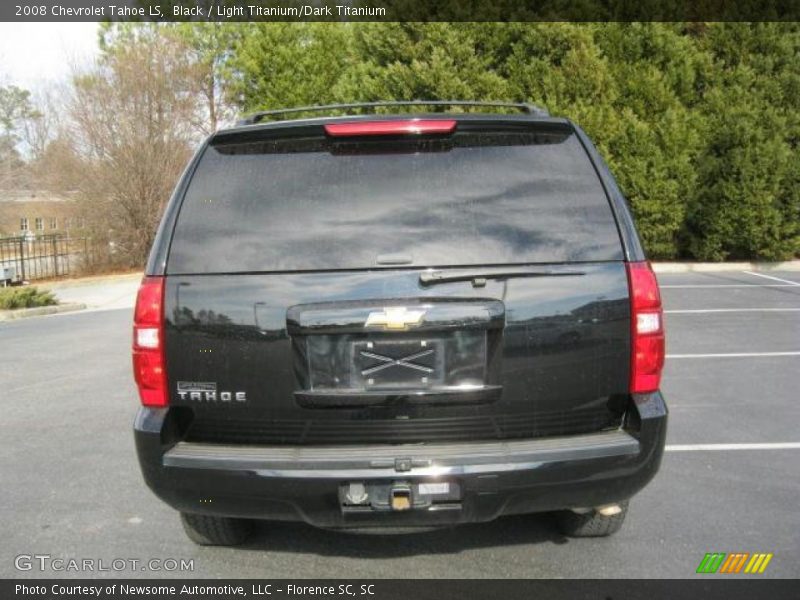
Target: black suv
[[398, 321]]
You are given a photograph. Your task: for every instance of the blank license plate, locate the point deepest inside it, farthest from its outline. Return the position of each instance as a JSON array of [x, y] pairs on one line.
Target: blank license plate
[[408, 363]]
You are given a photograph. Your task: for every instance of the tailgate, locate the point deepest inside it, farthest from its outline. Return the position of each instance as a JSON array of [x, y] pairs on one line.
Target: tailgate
[[516, 358]]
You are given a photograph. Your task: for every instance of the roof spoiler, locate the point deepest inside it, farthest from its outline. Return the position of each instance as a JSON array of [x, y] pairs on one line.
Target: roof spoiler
[[264, 115]]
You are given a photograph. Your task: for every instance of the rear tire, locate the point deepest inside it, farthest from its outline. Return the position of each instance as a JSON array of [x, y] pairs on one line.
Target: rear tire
[[206, 530], [591, 524]]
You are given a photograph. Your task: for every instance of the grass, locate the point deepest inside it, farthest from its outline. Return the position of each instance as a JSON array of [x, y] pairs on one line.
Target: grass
[[25, 297]]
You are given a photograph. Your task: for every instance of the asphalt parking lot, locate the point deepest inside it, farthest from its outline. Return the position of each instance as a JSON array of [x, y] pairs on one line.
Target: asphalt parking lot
[[70, 485]]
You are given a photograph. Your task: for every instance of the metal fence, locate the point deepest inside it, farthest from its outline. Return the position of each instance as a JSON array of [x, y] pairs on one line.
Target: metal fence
[[42, 257]]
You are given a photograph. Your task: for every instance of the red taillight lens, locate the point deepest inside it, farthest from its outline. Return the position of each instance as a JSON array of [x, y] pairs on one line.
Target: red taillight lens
[[647, 329], [404, 127], [148, 343]]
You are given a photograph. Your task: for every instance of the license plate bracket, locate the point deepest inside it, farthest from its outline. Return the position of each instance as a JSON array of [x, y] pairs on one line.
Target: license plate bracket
[[397, 364], [387, 362], [384, 495]]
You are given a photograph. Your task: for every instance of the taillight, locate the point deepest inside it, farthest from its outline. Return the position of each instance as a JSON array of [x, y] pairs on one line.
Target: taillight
[[403, 127], [148, 343], [647, 329]]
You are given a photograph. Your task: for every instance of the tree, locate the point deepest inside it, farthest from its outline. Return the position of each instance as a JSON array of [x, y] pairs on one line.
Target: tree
[[39, 129], [277, 65], [15, 107], [132, 116], [739, 210], [16, 110], [415, 61], [210, 47], [746, 203]]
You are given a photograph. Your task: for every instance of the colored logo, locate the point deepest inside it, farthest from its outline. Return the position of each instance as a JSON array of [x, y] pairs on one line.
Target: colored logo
[[735, 562]]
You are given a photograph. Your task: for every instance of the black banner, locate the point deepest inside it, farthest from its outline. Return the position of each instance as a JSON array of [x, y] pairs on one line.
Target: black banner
[[400, 10], [412, 589]]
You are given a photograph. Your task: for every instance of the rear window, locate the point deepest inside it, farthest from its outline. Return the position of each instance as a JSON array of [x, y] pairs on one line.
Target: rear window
[[317, 204]]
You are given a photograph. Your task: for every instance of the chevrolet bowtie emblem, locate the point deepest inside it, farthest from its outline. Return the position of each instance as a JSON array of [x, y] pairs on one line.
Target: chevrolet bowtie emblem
[[395, 317]]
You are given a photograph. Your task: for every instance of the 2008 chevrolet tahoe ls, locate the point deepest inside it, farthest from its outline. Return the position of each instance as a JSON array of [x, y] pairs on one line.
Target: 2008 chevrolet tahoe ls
[[398, 321]]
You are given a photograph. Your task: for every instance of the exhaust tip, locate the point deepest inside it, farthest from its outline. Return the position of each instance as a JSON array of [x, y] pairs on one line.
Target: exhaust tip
[[609, 510]]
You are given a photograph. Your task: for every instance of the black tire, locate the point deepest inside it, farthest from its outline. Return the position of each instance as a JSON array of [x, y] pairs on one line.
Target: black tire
[[215, 531], [591, 524]]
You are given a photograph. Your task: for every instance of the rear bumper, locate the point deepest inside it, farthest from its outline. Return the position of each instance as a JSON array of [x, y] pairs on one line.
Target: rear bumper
[[491, 478]]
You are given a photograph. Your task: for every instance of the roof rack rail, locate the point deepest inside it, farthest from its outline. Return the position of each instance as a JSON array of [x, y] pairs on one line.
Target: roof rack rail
[[530, 109]]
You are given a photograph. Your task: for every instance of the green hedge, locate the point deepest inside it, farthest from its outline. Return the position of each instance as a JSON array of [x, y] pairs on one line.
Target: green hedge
[[699, 122], [25, 297]]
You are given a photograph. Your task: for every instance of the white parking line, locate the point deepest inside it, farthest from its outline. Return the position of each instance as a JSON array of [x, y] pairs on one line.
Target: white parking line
[[727, 310], [703, 447], [729, 285], [771, 277], [733, 355]]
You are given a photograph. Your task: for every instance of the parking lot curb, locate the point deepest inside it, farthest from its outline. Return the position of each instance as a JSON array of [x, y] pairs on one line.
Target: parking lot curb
[[668, 267], [23, 313], [55, 284]]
